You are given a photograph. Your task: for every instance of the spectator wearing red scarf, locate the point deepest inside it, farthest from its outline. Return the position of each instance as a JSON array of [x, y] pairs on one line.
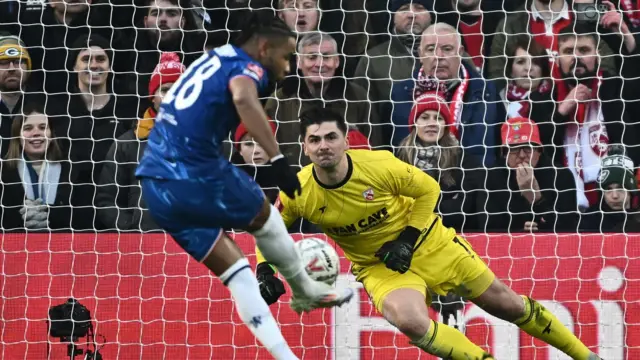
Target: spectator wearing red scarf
[[529, 88], [590, 109], [543, 19], [473, 101]]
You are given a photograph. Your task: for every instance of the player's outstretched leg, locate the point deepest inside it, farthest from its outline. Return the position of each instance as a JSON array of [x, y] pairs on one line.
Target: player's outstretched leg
[[193, 212], [406, 309], [501, 301], [277, 247], [227, 261]]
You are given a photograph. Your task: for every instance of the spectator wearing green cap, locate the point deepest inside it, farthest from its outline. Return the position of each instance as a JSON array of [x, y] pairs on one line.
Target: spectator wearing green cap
[[618, 196]]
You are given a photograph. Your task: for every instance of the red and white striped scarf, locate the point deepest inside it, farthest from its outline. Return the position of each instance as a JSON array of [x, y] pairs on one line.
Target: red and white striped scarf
[[519, 99], [455, 97], [586, 140]]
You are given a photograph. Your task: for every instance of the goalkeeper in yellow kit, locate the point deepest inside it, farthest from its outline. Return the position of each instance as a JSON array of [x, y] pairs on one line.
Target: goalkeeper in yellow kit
[[380, 211]]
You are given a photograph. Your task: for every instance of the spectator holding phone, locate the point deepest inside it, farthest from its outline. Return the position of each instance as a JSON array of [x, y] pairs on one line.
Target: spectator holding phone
[[610, 21], [590, 112], [543, 19]]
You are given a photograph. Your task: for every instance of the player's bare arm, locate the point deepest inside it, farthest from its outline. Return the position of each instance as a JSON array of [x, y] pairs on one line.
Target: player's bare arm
[[245, 98], [273, 53]]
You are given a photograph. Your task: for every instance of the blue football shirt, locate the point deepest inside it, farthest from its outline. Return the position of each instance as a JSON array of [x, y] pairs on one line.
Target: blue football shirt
[[196, 115]]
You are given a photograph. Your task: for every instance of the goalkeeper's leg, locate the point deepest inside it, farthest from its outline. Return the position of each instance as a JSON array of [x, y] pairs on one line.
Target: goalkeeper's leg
[[227, 261], [277, 247], [501, 301], [407, 310]]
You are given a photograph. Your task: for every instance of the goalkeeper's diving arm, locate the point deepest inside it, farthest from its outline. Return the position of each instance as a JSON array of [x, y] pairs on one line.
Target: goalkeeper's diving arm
[[409, 181], [426, 192]]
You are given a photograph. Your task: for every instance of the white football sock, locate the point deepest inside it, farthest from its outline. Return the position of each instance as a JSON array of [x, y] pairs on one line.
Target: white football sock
[[253, 311], [278, 249]]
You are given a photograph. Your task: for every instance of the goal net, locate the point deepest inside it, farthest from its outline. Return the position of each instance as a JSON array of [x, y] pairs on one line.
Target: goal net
[[523, 111]]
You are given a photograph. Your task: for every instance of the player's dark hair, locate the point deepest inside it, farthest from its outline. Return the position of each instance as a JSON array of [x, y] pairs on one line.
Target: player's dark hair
[[261, 23], [318, 116]]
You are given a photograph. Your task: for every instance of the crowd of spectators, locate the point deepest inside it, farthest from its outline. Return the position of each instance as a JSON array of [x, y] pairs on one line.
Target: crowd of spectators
[[523, 110]]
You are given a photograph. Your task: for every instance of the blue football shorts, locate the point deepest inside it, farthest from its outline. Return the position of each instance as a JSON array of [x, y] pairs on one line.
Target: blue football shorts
[[195, 212]]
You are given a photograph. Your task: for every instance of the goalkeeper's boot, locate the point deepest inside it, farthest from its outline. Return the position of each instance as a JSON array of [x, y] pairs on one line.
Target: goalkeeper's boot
[[320, 296], [594, 356]]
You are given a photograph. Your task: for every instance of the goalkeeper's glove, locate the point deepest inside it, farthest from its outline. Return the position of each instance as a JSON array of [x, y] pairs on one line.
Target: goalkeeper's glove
[[287, 180], [271, 288], [396, 254]]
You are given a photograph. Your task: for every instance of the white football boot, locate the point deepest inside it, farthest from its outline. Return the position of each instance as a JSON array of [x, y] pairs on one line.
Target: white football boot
[[320, 296]]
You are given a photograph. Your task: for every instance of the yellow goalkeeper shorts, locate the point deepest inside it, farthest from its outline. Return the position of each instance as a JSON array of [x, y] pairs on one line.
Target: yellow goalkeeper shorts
[[439, 265]]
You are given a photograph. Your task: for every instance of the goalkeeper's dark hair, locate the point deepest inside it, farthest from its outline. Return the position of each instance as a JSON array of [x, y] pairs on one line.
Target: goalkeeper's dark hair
[[318, 116], [261, 23]]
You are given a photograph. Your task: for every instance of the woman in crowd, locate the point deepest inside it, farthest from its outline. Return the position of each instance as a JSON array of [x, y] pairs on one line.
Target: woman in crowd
[[35, 183], [432, 147], [529, 89]]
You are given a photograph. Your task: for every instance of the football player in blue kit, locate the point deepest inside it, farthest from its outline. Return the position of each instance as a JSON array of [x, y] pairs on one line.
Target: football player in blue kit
[[194, 192]]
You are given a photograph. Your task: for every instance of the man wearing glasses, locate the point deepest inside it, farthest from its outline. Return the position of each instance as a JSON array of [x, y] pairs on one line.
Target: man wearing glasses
[[528, 193]]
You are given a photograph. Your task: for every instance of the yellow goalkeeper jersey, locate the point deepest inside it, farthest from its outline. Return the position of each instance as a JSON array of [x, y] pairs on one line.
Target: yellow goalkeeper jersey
[[380, 196]]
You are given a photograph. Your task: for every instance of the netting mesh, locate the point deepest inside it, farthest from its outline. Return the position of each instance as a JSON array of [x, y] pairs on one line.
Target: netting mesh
[[525, 112]]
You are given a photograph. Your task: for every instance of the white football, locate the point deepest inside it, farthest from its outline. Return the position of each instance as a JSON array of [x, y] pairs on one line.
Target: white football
[[321, 259]]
